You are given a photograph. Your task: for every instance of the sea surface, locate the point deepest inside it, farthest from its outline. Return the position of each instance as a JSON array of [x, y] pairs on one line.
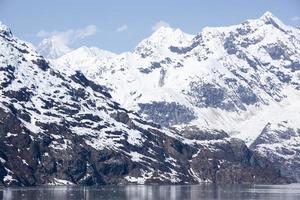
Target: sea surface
[[155, 192]]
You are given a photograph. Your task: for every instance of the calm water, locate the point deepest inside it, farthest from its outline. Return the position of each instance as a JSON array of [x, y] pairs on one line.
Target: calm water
[[132, 192]]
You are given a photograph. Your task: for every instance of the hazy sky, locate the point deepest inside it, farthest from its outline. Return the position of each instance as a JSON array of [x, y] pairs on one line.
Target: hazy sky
[[118, 25]]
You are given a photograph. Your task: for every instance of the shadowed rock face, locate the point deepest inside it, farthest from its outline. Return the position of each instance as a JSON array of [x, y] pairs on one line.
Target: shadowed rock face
[[232, 162], [227, 160], [278, 142], [166, 114], [32, 159], [232, 97]]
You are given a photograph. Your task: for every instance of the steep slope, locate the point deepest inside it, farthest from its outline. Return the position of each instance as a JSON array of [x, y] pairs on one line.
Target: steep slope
[[236, 79], [58, 127]]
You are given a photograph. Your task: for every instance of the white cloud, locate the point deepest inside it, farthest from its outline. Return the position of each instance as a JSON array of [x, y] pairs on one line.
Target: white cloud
[[42, 34], [85, 32], [295, 18], [68, 36], [122, 28], [160, 24]]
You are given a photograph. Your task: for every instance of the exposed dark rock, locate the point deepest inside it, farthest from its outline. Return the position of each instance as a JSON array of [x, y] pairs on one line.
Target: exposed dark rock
[[166, 114], [294, 66], [233, 162], [194, 133], [277, 51], [122, 117], [230, 46], [42, 63], [276, 142], [246, 95], [161, 81], [82, 164], [154, 65], [183, 50], [82, 80], [145, 70], [7, 80], [22, 94], [207, 95], [285, 78], [6, 31]]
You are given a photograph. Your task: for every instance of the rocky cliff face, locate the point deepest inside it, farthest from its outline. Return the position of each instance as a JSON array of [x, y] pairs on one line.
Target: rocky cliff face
[[62, 128], [280, 143]]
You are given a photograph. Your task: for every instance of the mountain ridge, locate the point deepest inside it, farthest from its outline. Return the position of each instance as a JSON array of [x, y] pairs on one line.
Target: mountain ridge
[[59, 127], [235, 79]]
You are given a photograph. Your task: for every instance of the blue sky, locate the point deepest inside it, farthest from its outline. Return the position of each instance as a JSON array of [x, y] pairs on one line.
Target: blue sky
[[118, 25]]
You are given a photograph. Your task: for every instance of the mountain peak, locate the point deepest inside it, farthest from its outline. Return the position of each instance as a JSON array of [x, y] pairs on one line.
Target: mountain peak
[[162, 39], [166, 31], [52, 48], [269, 18], [5, 30], [268, 14], [163, 29], [88, 52]]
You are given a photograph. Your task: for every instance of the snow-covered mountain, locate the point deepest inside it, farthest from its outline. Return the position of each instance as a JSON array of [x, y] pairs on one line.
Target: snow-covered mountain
[[53, 47], [91, 59], [58, 127], [235, 79]]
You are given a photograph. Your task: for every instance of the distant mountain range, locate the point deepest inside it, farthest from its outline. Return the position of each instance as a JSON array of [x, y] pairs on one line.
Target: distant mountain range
[[185, 105]]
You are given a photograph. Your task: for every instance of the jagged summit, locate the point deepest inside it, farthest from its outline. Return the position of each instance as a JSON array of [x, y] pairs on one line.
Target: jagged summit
[[4, 29], [161, 40], [165, 36], [164, 32], [268, 16], [265, 19]]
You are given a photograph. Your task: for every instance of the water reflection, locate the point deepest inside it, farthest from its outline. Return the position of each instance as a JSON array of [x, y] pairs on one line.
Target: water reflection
[[139, 192]]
